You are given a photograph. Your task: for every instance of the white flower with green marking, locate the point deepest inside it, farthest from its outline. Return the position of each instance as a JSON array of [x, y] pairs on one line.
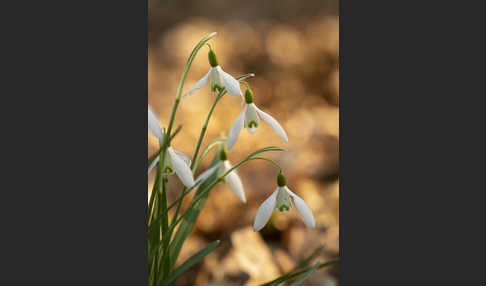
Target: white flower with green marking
[[250, 119], [218, 79], [175, 162], [232, 179], [280, 200]]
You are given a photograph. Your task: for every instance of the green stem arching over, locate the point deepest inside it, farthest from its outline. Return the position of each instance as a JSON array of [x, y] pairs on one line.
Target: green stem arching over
[[201, 137], [219, 179], [184, 75], [164, 144]]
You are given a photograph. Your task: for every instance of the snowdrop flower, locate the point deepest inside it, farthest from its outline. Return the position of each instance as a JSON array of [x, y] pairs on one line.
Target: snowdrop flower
[[218, 79], [232, 179], [250, 119], [175, 162], [280, 199]]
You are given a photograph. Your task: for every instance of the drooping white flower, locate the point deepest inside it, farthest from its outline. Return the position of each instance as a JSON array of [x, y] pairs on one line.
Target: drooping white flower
[[218, 79], [232, 179], [175, 162], [179, 163], [250, 119], [280, 199]]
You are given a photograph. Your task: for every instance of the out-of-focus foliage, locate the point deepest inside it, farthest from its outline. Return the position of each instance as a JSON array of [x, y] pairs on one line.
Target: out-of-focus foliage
[[293, 48]]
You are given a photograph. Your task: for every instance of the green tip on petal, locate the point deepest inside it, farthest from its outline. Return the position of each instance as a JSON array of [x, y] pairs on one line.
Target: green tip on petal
[[252, 124], [248, 96], [281, 180], [168, 170], [213, 60], [283, 208]]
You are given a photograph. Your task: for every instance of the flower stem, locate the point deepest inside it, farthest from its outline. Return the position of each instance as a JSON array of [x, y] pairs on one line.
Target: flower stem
[[184, 75], [164, 144], [269, 160], [199, 141], [221, 178], [206, 122]]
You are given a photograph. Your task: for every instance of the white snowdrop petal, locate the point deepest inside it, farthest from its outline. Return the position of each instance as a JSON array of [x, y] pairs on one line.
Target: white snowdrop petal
[[206, 174], [265, 211], [251, 118], [274, 124], [304, 210], [230, 83], [234, 182], [181, 168], [153, 124], [184, 157], [154, 163], [215, 79], [235, 129], [202, 82]]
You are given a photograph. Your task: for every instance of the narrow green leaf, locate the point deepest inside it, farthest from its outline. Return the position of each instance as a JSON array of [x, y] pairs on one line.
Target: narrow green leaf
[[291, 275], [152, 198], [306, 275], [164, 267], [176, 131], [189, 263], [152, 158], [307, 260], [154, 220], [193, 212], [189, 217]]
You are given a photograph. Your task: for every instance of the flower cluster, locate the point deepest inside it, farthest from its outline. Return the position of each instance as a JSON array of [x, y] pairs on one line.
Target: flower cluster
[[180, 164]]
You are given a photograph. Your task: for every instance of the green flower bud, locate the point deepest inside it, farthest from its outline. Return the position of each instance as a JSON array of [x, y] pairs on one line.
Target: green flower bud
[[248, 96], [213, 60], [223, 155], [281, 180]]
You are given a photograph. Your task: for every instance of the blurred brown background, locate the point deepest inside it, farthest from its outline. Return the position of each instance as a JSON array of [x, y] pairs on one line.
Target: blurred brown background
[[292, 47]]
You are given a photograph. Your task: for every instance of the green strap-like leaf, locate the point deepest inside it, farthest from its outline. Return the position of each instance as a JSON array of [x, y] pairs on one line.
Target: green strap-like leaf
[[306, 275], [291, 275], [189, 221], [306, 261], [189, 263]]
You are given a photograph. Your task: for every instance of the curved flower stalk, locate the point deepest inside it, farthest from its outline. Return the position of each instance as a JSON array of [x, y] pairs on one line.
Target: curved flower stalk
[[218, 78], [166, 237], [250, 119], [280, 199], [175, 162], [232, 179]]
